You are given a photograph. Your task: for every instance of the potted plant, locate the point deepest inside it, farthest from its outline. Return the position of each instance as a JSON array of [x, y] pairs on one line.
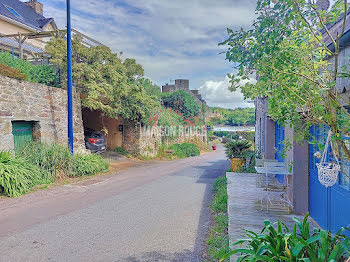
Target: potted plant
[[237, 151]]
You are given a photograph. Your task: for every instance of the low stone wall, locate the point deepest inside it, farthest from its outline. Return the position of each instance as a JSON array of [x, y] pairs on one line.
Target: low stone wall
[[151, 138], [45, 106]]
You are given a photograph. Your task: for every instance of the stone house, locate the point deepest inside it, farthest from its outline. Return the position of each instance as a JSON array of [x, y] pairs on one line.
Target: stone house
[[19, 18], [329, 207]]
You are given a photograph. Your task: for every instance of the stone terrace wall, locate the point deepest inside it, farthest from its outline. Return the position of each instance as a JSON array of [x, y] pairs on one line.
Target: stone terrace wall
[[46, 106]]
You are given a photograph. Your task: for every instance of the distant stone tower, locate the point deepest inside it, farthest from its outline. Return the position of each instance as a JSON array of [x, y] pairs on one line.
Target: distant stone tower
[[182, 84]]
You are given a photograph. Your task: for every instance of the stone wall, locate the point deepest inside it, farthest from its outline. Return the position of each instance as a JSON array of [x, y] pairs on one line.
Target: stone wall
[[132, 134], [151, 139], [43, 105]]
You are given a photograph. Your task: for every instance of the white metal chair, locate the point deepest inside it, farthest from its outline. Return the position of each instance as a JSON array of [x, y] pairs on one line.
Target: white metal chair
[[260, 169], [271, 170]]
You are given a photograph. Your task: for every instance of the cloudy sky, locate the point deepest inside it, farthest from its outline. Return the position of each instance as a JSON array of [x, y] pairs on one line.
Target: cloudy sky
[[170, 38]]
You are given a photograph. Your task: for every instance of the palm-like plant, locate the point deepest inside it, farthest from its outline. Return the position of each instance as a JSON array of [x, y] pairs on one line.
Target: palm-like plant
[[237, 149]]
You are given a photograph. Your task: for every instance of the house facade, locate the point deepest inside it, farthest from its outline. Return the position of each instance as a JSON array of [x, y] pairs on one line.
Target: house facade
[[17, 20], [329, 207]]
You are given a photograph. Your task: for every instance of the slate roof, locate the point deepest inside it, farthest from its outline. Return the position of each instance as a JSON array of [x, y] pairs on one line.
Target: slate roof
[[26, 14]]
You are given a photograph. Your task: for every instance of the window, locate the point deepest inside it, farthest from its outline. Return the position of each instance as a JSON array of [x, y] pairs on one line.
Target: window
[[13, 11]]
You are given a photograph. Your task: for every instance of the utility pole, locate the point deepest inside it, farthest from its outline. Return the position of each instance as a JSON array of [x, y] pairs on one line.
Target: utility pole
[[69, 79]]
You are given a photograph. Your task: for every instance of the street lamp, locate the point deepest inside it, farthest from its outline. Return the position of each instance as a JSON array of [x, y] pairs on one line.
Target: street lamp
[[69, 80]]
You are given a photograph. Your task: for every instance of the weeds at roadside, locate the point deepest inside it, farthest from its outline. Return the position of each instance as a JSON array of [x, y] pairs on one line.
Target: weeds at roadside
[[36, 165], [218, 240], [121, 151]]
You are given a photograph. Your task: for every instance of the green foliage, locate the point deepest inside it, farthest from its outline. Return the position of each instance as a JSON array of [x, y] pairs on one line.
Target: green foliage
[[108, 83], [226, 134], [297, 65], [181, 102], [237, 149], [165, 117], [278, 243], [219, 204], [185, 150], [37, 164], [18, 176], [133, 70], [232, 117], [87, 165], [43, 74], [11, 72], [151, 88], [248, 135], [122, 151], [58, 161], [218, 240]]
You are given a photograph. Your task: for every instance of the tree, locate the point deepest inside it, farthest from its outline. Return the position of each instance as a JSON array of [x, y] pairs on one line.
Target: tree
[[151, 88], [107, 83], [294, 52], [133, 70], [181, 102]]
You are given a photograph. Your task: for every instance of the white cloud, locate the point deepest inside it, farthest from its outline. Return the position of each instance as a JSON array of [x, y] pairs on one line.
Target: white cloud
[[171, 39], [216, 93]]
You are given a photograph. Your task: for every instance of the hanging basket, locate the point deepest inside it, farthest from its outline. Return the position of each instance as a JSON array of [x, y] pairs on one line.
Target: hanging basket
[[328, 172]]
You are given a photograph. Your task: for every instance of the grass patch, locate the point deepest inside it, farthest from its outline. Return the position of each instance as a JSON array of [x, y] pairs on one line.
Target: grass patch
[[218, 240], [41, 164]]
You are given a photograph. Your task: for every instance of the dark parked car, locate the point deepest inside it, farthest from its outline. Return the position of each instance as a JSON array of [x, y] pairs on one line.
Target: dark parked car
[[94, 140]]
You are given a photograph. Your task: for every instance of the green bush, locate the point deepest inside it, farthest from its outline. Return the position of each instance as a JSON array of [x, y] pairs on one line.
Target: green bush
[[58, 161], [181, 102], [53, 158], [279, 243], [18, 176], [185, 150], [43, 74], [226, 134], [87, 165]]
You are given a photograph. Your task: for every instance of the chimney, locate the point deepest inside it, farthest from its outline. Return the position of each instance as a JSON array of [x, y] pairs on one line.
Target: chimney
[[37, 6]]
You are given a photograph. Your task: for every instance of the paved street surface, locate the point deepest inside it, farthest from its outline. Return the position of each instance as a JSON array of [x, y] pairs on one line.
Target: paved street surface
[[150, 212]]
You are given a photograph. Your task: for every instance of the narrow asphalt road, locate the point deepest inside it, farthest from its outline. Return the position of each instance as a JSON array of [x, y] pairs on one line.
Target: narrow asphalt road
[[150, 212]]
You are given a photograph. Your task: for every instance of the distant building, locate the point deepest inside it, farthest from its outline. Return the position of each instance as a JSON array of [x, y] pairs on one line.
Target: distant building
[[183, 84]]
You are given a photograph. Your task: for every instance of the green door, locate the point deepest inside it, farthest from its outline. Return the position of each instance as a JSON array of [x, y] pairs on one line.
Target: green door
[[22, 133]]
